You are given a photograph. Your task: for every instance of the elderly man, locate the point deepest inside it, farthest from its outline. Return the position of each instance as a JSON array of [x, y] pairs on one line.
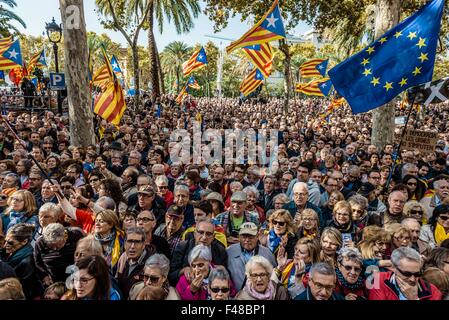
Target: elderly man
[[47, 195], [322, 284], [146, 220], [303, 175], [415, 228], [11, 183], [430, 201], [240, 253], [237, 215], [172, 229], [404, 282], [182, 195], [48, 213], [147, 199], [393, 214], [203, 234], [130, 267], [299, 202], [54, 252]]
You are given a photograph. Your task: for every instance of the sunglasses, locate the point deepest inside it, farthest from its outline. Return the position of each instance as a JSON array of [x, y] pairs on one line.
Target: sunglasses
[[153, 279], [408, 274], [349, 268], [217, 290], [3, 197], [419, 212], [444, 218], [280, 223]]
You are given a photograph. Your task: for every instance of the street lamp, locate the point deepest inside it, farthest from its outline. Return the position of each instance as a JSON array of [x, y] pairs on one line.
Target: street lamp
[[54, 34]]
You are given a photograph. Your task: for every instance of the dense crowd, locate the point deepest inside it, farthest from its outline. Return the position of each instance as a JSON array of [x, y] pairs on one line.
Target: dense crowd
[[329, 217]]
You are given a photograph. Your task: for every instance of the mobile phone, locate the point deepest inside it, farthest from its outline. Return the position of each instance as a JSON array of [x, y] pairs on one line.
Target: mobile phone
[[346, 237]]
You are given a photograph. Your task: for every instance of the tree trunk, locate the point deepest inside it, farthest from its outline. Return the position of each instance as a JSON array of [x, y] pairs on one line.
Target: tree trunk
[[177, 79], [135, 54], [76, 73], [152, 48], [284, 47], [160, 73], [388, 12]]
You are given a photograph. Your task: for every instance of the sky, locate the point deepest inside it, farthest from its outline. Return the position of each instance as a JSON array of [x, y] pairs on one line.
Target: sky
[[36, 13]]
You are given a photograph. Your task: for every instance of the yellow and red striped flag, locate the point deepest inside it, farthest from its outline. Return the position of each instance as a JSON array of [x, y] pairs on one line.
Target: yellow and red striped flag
[[320, 87], [251, 82], [38, 60], [196, 61], [110, 104], [101, 77], [314, 68], [261, 55], [5, 43], [10, 54], [182, 95]]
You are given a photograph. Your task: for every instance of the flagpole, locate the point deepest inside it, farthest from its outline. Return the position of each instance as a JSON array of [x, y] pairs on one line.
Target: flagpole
[[398, 150]]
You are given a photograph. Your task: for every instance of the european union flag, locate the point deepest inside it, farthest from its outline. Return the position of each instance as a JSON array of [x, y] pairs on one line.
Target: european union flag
[[403, 57]]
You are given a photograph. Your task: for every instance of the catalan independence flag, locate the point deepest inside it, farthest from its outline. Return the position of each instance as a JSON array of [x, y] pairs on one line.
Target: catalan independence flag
[[314, 68], [192, 83], [196, 61], [184, 92], [38, 60], [10, 55], [251, 82], [320, 87], [116, 66], [101, 77], [110, 105], [269, 28], [261, 56]]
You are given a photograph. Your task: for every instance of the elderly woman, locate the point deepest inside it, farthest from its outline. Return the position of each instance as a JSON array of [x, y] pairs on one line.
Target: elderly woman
[[434, 233], [91, 281], [21, 209], [400, 236], [291, 272], [219, 284], [328, 208], [331, 241], [258, 285], [281, 233], [156, 275], [200, 262], [359, 207], [107, 232], [349, 271], [163, 190], [414, 209], [234, 186], [308, 224], [252, 195], [19, 255], [88, 246]]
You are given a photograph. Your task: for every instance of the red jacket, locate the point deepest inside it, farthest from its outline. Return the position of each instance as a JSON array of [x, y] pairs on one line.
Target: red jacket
[[386, 289]]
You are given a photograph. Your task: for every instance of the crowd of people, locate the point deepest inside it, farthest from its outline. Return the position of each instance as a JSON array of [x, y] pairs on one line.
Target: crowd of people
[[331, 217]]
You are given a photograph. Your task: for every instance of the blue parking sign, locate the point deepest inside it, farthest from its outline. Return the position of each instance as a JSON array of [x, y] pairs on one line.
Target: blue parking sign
[[57, 81]]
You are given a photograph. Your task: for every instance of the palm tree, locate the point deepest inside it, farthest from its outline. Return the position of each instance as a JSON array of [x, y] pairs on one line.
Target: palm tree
[[180, 13], [7, 16], [174, 54]]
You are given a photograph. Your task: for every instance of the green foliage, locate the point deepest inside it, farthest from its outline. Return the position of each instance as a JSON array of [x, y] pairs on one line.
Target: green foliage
[[7, 17]]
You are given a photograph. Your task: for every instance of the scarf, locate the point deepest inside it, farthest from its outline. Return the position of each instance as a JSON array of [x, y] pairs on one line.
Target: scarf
[[346, 284], [16, 217], [440, 234], [343, 228], [114, 246], [273, 241], [20, 255], [267, 295]]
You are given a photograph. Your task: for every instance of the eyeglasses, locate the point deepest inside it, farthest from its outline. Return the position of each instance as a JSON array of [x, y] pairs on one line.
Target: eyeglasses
[[444, 218], [418, 212], [358, 211], [258, 275], [152, 279], [131, 242], [21, 200], [144, 220], [279, 223], [82, 281], [217, 290], [206, 233], [408, 274], [308, 219], [321, 286], [349, 268], [162, 187], [402, 239]]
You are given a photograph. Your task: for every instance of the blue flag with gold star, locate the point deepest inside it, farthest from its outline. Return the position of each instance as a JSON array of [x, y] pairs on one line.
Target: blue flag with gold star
[[403, 57]]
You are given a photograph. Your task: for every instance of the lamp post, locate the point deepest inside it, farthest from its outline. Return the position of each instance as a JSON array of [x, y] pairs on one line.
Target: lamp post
[[54, 34]]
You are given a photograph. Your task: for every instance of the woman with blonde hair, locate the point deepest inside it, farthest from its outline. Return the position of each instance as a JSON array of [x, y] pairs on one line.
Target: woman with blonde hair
[[308, 224], [414, 209], [107, 231], [342, 221], [331, 241], [400, 236], [21, 209], [281, 232], [11, 289]]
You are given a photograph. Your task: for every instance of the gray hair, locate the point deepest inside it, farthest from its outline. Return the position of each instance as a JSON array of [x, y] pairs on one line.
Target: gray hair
[[162, 179], [51, 181], [135, 230], [15, 176], [200, 252], [260, 261], [235, 183], [297, 185], [53, 233], [159, 261], [358, 200], [181, 187], [352, 254], [409, 220], [106, 203], [52, 208], [253, 190], [406, 167], [322, 268], [93, 244], [405, 253], [437, 184], [281, 196], [219, 273]]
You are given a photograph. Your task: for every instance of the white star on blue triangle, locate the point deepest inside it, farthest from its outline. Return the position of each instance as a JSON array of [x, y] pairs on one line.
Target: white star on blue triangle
[[14, 53], [274, 23]]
